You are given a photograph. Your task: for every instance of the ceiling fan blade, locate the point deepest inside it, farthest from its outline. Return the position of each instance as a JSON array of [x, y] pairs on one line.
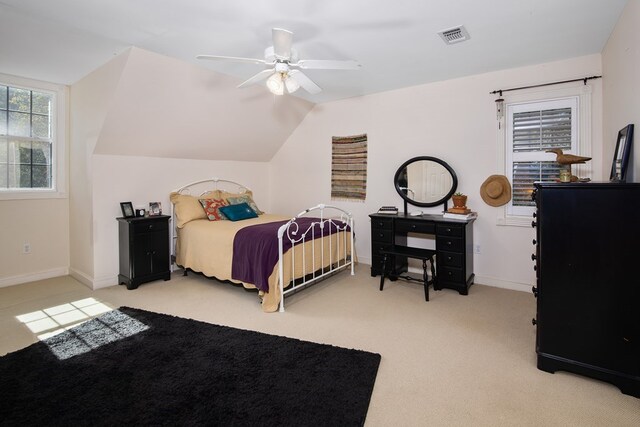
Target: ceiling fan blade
[[282, 42], [232, 58], [262, 75], [305, 82], [325, 64]]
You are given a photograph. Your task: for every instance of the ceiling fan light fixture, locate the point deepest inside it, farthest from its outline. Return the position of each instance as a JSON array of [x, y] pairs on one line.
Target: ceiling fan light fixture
[[291, 84], [275, 84]]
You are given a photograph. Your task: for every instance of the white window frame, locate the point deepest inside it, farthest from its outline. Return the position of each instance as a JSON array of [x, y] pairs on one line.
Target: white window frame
[[58, 136], [580, 97]]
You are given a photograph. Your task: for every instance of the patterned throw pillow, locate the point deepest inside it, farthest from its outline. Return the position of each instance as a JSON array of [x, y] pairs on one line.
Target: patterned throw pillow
[[245, 199], [212, 208]]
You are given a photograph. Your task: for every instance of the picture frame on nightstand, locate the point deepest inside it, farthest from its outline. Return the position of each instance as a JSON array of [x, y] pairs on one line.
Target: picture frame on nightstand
[[127, 209], [155, 208]]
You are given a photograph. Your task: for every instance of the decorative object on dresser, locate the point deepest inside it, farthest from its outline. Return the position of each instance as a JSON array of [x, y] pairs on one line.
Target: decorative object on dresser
[[459, 204], [621, 155], [258, 251], [450, 215], [390, 210], [588, 317], [144, 250], [145, 368], [567, 160], [496, 190]]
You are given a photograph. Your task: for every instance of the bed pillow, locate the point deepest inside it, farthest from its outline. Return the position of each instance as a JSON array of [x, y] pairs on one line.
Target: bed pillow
[[212, 208], [246, 198], [186, 208], [238, 212]]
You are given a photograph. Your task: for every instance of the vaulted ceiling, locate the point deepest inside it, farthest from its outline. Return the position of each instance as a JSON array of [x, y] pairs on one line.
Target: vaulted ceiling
[[395, 41]]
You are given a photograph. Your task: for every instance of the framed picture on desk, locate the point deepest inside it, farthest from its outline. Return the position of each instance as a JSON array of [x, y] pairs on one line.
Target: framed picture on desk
[[621, 155]]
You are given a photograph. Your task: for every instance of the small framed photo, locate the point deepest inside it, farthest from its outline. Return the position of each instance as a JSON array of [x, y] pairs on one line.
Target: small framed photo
[[621, 155], [155, 208], [127, 209]]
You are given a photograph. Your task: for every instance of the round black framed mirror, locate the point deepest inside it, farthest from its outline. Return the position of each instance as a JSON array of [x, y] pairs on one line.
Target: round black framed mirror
[[425, 181]]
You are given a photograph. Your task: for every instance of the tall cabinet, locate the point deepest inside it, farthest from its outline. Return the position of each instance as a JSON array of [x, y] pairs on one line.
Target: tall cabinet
[[587, 252]]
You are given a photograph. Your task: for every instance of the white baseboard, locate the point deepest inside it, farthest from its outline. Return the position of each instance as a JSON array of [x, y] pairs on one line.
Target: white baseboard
[[481, 280], [91, 282], [504, 284], [32, 277]]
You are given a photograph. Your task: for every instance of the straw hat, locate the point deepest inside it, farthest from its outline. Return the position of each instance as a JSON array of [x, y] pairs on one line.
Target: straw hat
[[496, 190]]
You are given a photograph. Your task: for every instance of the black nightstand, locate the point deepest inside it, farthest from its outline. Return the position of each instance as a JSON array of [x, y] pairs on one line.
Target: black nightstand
[[144, 250]]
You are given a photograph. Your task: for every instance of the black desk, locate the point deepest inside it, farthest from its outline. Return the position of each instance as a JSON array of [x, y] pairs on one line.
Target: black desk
[[454, 246]]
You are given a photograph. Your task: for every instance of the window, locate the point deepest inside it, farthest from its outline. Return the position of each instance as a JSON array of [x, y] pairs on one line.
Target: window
[[532, 129], [31, 138], [534, 122]]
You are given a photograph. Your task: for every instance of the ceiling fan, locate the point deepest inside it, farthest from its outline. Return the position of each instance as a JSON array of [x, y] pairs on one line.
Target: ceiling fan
[[283, 72]]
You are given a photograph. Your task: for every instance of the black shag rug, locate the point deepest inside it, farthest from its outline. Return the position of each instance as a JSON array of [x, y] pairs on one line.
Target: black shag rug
[[134, 367]]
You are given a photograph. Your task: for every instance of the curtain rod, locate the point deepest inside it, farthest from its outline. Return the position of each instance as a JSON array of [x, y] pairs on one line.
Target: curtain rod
[[584, 79]]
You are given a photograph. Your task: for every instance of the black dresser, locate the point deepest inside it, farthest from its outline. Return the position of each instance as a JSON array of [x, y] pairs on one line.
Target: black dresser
[[454, 246], [144, 250], [587, 286]]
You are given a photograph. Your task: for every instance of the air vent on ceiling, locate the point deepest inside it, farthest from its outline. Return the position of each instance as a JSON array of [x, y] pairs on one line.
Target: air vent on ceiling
[[454, 35]]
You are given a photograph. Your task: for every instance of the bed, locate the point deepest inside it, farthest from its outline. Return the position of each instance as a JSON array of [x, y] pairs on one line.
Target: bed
[[262, 251]]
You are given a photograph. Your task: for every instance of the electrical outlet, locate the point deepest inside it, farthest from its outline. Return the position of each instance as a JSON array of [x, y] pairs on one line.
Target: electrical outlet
[[476, 249], [26, 249]]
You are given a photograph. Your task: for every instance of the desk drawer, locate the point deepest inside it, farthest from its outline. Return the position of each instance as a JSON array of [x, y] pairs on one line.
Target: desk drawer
[[408, 226], [453, 244], [450, 259], [450, 274], [381, 223], [450, 230], [377, 248], [381, 236]]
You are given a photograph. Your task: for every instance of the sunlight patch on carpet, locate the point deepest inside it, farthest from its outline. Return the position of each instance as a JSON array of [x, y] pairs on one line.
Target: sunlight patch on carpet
[[51, 321], [110, 327]]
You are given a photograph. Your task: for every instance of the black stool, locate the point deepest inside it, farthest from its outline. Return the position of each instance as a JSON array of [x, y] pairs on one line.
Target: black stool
[[423, 254]]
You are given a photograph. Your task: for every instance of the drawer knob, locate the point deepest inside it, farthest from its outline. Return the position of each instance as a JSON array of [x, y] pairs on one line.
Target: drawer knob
[[448, 230], [535, 291], [381, 235], [450, 273], [380, 224], [534, 241], [449, 258], [533, 224], [535, 268], [535, 214], [533, 257], [533, 321], [449, 242]]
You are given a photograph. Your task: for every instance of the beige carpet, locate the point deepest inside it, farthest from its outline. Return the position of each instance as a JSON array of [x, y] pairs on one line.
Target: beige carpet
[[454, 361]]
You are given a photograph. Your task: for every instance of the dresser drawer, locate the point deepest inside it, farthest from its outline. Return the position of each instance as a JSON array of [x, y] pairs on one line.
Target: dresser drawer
[[381, 236], [450, 230], [450, 259], [450, 274], [408, 226], [453, 244], [381, 223], [149, 226]]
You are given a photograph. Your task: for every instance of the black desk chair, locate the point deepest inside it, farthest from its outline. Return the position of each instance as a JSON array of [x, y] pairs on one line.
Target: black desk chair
[[426, 255]]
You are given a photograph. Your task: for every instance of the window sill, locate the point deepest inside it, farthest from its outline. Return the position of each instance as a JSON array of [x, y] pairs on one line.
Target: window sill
[[32, 195], [515, 221]]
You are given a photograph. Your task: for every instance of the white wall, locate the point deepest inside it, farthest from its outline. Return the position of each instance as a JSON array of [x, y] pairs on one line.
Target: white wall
[[621, 68], [453, 120]]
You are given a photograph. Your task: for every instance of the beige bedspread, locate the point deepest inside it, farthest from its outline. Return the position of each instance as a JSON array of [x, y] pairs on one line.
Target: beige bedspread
[[207, 247]]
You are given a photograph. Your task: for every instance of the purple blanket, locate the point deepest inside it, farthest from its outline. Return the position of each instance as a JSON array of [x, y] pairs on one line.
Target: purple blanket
[[255, 249]]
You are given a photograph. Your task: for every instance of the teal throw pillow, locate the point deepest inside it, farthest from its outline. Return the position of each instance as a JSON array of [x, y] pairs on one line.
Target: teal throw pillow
[[238, 212]]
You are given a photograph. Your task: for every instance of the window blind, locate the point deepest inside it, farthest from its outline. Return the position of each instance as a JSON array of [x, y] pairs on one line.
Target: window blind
[[537, 131]]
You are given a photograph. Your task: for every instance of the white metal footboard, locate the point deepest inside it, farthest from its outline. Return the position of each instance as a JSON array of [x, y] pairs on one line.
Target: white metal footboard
[[312, 273]]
